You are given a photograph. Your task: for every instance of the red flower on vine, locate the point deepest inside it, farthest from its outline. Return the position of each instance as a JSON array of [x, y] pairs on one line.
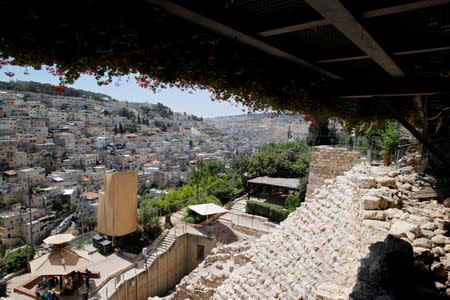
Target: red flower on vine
[[10, 74], [37, 68], [211, 58], [57, 71], [143, 81], [311, 119], [104, 82], [90, 72]]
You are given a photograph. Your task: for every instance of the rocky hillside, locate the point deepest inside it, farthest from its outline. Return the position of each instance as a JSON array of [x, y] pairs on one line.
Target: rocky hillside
[[361, 234], [262, 128]]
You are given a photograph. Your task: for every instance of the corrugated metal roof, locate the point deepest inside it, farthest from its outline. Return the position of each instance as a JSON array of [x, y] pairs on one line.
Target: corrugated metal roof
[[207, 209], [290, 183]]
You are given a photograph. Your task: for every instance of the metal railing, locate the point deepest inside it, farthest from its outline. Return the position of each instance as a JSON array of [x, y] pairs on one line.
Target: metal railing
[[115, 281]]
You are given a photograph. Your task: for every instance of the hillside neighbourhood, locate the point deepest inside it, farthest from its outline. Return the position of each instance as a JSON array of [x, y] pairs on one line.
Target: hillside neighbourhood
[[61, 146]]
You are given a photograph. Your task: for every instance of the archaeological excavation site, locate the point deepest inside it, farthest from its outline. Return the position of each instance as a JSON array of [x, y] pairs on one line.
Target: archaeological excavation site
[[363, 232], [324, 173]]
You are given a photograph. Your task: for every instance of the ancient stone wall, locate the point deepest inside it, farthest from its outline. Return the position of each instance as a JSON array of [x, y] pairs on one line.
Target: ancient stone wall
[[327, 163], [360, 234]]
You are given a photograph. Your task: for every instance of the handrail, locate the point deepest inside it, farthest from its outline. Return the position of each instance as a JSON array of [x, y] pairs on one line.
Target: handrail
[[153, 247]]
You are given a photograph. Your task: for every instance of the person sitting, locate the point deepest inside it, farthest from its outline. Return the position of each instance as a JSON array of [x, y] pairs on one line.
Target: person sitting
[[52, 295], [46, 294], [41, 291], [36, 290]]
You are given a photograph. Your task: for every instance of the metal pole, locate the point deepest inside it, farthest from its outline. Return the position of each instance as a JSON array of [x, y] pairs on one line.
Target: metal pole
[[148, 286], [176, 254], [159, 275], [29, 209], [167, 268]]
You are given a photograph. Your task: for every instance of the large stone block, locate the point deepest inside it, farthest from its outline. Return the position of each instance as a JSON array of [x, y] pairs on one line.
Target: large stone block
[[401, 228], [371, 202]]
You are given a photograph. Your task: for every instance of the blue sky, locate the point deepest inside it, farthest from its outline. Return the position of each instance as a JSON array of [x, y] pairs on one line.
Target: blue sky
[[197, 102]]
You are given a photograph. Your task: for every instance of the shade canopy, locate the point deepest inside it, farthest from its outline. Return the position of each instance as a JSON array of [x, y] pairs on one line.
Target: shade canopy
[[287, 183], [117, 204], [208, 209], [60, 261], [59, 239]]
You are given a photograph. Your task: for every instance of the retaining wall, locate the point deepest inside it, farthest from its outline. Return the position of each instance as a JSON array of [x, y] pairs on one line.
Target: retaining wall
[[166, 270], [327, 163]]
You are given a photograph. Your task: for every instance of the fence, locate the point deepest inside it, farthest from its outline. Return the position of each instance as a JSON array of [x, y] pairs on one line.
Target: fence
[[135, 281]]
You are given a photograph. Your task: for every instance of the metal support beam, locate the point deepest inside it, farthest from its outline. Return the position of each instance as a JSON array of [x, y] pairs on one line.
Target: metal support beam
[[231, 33], [387, 88], [294, 28], [342, 19], [438, 152], [402, 8], [398, 53]]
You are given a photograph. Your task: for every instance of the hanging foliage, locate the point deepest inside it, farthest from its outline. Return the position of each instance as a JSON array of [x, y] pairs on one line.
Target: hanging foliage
[[162, 51]]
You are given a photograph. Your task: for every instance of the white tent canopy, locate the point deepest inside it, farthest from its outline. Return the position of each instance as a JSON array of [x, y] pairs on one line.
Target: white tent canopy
[[208, 209]]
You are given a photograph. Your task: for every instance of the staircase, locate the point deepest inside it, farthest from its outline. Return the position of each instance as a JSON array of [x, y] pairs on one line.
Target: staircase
[[239, 206], [162, 247]]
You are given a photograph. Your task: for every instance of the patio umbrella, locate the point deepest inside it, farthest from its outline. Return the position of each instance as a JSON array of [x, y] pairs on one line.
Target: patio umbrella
[[60, 261], [59, 239]]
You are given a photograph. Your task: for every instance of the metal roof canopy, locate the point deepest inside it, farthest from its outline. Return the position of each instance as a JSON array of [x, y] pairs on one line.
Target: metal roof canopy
[[382, 50], [288, 183], [358, 24], [208, 209]]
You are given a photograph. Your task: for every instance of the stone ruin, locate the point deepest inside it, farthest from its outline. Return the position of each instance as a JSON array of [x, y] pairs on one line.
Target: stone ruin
[[361, 235]]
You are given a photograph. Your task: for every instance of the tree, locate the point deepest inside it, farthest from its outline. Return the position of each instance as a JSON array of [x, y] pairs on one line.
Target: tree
[[121, 128], [127, 113], [18, 259], [139, 119], [116, 130], [161, 125], [191, 144], [390, 139], [289, 159], [149, 221], [319, 134], [130, 128]]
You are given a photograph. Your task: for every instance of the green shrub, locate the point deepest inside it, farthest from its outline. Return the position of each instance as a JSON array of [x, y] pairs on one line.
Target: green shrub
[[149, 220], [193, 217], [292, 202], [204, 199], [16, 260], [273, 212]]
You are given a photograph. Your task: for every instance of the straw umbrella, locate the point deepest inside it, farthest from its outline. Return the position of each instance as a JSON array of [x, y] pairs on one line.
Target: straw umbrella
[[61, 260]]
